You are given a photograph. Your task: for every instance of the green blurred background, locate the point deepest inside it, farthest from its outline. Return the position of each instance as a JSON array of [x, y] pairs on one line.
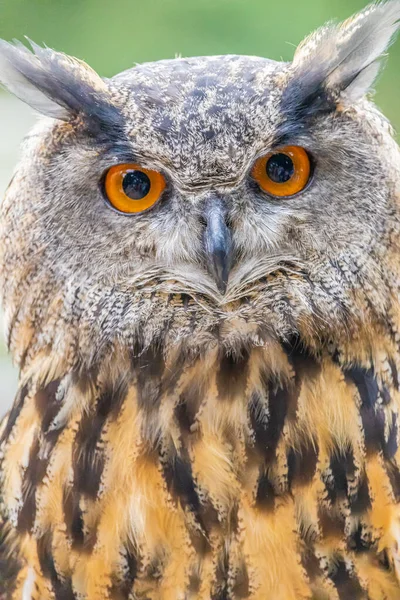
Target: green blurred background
[[111, 35]]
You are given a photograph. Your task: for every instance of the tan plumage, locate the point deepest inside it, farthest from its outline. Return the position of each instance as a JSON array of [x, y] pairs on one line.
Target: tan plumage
[[171, 440]]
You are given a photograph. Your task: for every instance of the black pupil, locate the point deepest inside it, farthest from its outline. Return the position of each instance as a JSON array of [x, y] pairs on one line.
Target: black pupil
[[136, 185], [280, 168]]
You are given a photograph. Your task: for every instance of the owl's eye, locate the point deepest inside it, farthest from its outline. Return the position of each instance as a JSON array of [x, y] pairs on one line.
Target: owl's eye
[[284, 172], [132, 189]]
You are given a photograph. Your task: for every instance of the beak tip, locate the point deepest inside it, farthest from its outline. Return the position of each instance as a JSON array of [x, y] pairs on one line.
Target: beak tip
[[218, 246], [220, 267], [222, 285]]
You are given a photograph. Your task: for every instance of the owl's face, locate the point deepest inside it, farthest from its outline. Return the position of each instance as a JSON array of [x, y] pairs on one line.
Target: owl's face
[[202, 150], [203, 123]]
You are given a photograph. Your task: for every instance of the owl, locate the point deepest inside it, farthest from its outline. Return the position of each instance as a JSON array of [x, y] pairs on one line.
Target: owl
[[200, 273]]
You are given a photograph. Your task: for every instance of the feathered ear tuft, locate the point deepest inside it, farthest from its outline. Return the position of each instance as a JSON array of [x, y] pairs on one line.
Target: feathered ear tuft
[[338, 64], [55, 84]]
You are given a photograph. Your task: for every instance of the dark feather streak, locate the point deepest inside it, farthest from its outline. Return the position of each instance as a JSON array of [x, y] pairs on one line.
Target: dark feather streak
[[88, 457], [15, 412], [347, 584], [62, 589]]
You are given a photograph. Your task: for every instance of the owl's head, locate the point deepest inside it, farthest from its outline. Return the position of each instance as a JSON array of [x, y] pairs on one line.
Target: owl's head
[[210, 198]]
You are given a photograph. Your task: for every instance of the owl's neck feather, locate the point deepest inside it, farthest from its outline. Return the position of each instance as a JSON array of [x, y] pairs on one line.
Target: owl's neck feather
[[274, 458]]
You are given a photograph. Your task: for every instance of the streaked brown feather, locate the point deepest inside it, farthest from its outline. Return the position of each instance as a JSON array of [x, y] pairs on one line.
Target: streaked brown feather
[[264, 487]]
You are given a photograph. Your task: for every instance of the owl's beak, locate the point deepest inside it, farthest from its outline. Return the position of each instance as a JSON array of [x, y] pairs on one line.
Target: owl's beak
[[218, 243]]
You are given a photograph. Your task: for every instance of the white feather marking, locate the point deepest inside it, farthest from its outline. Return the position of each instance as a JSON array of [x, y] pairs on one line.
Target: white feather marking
[[20, 86], [349, 54], [29, 584]]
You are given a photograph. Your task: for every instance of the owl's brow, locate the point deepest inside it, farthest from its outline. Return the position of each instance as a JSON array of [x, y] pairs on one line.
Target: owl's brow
[[106, 126], [118, 149], [303, 100]]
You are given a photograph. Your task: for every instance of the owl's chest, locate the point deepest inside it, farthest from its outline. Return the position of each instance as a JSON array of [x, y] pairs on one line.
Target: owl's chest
[[199, 477]]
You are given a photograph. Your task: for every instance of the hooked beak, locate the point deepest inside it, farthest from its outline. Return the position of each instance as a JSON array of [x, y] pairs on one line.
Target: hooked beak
[[218, 244]]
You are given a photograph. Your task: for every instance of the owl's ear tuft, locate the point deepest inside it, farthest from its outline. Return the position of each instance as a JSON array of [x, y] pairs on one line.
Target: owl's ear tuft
[[55, 84], [338, 64]]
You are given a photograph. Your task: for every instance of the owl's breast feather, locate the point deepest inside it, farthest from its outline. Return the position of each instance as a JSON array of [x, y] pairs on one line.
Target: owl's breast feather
[[272, 469]]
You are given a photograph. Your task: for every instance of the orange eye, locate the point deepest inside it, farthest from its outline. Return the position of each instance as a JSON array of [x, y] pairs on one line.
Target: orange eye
[[284, 172], [132, 189]]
